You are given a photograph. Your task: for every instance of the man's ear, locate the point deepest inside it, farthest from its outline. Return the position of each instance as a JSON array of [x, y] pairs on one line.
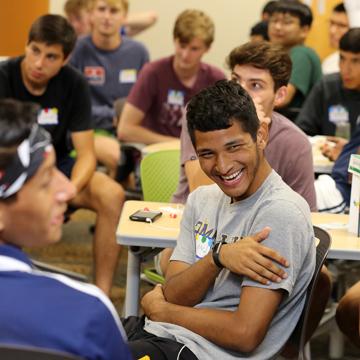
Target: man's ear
[[304, 32], [263, 135], [280, 95]]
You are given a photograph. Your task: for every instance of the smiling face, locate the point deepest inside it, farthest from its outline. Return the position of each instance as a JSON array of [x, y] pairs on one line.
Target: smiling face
[[107, 17], [35, 216], [233, 160]]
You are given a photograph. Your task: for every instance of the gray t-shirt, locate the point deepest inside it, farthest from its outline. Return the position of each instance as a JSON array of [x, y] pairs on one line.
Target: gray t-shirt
[[210, 216]]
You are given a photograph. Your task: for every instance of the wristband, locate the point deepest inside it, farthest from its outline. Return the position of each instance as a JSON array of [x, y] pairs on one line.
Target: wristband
[[216, 254]]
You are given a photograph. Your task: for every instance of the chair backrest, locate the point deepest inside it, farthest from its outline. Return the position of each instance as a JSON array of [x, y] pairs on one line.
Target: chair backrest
[[300, 335], [159, 172], [13, 352]]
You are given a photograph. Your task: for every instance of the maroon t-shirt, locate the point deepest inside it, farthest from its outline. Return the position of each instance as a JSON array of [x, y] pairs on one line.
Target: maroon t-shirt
[[162, 97]]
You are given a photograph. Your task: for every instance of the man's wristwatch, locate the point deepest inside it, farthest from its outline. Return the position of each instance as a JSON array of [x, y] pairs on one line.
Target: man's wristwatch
[[216, 253]]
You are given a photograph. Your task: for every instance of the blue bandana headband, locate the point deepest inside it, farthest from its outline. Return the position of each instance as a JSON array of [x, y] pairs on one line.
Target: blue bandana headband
[[29, 156]]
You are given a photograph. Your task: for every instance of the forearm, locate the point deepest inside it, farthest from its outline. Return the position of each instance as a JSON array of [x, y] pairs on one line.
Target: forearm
[[218, 326], [189, 287], [82, 171], [139, 134]]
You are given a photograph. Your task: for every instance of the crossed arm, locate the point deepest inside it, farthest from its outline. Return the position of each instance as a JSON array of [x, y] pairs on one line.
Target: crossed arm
[[186, 285], [130, 127], [85, 163]]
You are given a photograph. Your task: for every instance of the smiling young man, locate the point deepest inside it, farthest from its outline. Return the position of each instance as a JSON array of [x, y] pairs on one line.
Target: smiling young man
[[155, 105], [207, 303], [110, 63], [43, 76], [58, 312], [289, 24], [263, 70]]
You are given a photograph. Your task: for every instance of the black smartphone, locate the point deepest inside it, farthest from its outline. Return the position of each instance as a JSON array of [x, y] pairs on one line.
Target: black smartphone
[[145, 215]]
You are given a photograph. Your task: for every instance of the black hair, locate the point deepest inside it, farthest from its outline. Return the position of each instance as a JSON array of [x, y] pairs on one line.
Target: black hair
[[260, 28], [350, 41], [268, 7], [51, 30], [339, 8], [294, 8], [16, 120], [218, 106]]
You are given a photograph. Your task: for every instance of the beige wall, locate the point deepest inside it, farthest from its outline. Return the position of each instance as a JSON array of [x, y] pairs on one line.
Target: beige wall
[[233, 19]]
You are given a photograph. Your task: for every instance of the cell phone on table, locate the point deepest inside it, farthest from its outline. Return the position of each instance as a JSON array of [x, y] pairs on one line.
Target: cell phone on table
[[148, 216]]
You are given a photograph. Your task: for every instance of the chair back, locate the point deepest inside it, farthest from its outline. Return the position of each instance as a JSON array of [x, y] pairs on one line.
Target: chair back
[[300, 336], [17, 352], [159, 172]]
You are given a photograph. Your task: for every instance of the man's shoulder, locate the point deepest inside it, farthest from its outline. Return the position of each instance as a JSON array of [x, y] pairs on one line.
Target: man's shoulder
[[288, 131], [131, 44], [10, 65], [205, 193], [300, 52]]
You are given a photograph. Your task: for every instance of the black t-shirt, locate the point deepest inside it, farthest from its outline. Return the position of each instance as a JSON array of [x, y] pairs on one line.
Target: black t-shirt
[[65, 105]]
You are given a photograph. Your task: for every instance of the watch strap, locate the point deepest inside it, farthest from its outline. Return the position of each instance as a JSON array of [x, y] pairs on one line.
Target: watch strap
[[216, 254]]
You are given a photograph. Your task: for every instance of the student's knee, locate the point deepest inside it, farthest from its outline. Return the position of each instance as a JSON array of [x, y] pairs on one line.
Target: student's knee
[[110, 196], [347, 312]]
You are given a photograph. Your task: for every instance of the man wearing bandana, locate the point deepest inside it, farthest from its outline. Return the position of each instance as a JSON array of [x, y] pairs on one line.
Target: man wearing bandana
[[40, 309], [42, 76]]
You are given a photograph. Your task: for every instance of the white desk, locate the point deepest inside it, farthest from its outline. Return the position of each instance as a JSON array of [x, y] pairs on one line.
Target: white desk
[[164, 232], [139, 235]]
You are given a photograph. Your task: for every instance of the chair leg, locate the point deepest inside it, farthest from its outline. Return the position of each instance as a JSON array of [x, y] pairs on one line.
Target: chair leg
[[336, 346]]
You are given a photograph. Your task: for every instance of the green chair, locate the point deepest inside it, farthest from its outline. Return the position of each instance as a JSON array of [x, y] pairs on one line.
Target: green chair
[[159, 173]]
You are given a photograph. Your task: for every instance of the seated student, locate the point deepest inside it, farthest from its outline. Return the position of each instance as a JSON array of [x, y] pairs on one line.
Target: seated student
[[210, 303], [37, 308], [155, 105], [263, 70], [333, 192], [42, 76], [347, 314], [110, 63], [335, 100], [77, 12], [289, 24], [338, 26]]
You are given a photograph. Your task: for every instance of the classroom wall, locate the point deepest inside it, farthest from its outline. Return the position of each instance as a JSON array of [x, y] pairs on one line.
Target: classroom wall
[[16, 16]]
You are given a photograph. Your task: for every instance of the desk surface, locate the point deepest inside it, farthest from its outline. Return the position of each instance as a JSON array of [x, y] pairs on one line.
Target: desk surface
[[164, 231], [322, 165], [167, 145]]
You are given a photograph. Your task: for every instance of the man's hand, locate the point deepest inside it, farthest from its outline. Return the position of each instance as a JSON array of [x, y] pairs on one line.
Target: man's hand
[[248, 257], [333, 147], [153, 303]]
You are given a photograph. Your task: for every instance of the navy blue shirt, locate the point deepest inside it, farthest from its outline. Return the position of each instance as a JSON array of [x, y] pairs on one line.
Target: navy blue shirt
[[340, 170], [54, 312]]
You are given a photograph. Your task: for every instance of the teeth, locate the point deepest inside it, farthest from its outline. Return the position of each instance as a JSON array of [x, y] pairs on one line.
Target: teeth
[[231, 177]]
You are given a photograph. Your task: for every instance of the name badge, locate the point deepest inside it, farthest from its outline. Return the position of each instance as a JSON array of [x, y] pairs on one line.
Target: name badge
[[338, 114], [127, 76], [48, 116], [203, 245], [95, 75], [176, 97]]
